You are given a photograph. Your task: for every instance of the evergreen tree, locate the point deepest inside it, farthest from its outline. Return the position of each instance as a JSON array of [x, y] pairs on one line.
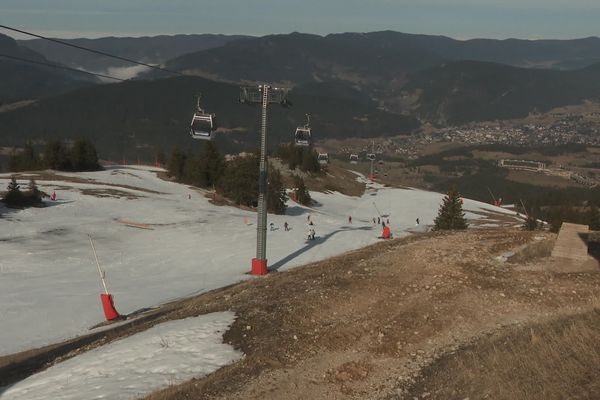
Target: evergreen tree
[[240, 180], [84, 156], [594, 218], [193, 171], [302, 193], [450, 214], [305, 158], [56, 157], [276, 195], [161, 158], [13, 186], [213, 164], [34, 192], [176, 164], [13, 161], [29, 160], [310, 160], [14, 196]]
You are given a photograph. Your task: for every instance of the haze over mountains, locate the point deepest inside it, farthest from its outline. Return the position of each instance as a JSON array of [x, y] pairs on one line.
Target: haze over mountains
[[355, 84], [150, 50], [21, 81]]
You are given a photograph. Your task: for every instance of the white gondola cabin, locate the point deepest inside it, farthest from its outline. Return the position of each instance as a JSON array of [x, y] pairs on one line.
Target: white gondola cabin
[[323, 159], [203, 124], [371, 156], [353, 158], [303, 134]]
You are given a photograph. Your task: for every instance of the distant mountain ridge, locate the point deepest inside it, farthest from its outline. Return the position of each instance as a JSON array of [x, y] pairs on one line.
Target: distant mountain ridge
[[135, 118], [148, 49], [465, 91], [377, 63], [23, 81]]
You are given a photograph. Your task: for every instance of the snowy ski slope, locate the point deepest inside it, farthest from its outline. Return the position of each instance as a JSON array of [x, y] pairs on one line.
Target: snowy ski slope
[[49, 284]]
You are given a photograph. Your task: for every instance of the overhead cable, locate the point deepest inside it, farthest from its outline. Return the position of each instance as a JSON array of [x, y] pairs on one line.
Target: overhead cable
[[102, 53], [58, 66]]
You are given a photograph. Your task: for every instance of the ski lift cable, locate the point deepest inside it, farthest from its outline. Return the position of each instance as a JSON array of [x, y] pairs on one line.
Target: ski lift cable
[[58, 66], [102, 53]]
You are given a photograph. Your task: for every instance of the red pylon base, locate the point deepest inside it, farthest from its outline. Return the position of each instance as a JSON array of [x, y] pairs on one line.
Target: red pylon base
[[259, 267], [109, 307]]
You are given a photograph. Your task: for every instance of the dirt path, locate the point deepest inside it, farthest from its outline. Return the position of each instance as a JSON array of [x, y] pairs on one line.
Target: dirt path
[[362, 325]]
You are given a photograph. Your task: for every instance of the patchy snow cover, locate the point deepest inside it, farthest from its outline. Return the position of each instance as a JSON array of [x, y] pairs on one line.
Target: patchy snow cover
[[163, 355], [49, 284]]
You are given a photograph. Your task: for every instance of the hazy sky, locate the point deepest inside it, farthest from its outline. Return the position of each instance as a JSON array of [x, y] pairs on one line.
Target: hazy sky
[[528, 19]]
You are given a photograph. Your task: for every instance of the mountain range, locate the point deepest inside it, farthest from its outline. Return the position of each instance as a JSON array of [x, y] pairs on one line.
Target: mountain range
[[354, 84], [136, 118], [23, 81], [150, 50]]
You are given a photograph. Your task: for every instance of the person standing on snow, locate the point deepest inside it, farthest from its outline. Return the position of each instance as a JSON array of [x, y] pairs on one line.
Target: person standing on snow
[[286, 226], [349, 219]]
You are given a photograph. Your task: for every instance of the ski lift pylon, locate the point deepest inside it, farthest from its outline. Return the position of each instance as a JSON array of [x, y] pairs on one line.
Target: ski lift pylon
[[203, 124]]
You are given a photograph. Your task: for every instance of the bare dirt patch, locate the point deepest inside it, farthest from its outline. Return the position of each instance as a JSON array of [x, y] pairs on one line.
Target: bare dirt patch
[[50, 175], [112, 193]]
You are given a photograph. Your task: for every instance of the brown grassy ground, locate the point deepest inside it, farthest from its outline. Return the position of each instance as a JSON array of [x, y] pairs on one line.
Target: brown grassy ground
[[365, 324], [553, 360]]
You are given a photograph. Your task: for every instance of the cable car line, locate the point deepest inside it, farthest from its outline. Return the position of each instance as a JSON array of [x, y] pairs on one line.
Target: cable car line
[[92, 50], [58, 66]]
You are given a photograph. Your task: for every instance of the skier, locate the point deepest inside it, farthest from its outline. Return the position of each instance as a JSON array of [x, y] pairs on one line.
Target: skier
[[272, 226], [349, 219], [286, 226], [53, 196], [378, 220], [417, 221], [387, 221], [374, 220], [312, 234]]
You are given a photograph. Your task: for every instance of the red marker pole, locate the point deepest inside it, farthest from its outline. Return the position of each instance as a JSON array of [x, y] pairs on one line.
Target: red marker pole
[[108, 306]]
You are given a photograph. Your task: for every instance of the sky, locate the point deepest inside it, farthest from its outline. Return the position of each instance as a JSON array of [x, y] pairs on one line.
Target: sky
[[460, 19]]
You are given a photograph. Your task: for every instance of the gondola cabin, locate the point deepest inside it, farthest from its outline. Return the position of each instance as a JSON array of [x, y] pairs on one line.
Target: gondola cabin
[[323, 159], [353, 158], [302, 137], [371, 156], [203, 126], [303, 134]]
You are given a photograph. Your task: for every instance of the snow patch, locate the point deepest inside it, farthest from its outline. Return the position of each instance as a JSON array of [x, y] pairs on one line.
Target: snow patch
[[164, 355]]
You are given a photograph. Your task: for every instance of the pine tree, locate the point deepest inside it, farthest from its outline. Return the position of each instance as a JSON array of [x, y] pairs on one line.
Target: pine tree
[[450, 214], [177, 164], [276, 195], [13, 186], [14, 196], [83, 156], [302, 193], [594, 218], [213, 164], [56, 157]]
